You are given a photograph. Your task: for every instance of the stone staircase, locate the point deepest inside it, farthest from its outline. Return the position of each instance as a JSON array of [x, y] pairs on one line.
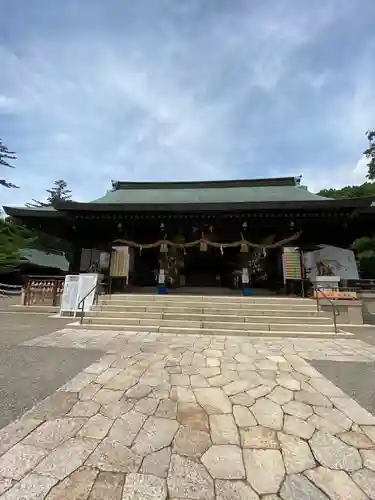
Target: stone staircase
[[220, 315]]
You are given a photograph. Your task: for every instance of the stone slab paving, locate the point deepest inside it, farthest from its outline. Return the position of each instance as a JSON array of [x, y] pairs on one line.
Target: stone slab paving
[[194, 417]]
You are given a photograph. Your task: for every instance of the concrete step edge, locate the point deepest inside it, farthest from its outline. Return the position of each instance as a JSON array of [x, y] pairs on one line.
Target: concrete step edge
[[242, 305], [255, 326], [206, 317], [208, 331]]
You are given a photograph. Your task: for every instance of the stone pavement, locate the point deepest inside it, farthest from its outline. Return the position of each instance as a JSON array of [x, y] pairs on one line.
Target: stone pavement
[[29, 374], [194, 417]]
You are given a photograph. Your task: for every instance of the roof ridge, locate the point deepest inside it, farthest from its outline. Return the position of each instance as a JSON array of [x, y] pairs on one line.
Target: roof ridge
[[261, 182]]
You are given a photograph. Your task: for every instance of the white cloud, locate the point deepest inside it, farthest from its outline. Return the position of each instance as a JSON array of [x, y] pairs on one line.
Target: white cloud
[[177, 93]]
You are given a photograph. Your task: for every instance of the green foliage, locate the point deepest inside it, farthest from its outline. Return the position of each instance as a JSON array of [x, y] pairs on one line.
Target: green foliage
[[59, 192], [365, 250], [13, 238], [366, 189], [43, 241], [5, 156], [370, 154]]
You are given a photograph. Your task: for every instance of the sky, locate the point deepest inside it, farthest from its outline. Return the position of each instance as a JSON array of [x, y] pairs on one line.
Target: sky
[[94, 90]]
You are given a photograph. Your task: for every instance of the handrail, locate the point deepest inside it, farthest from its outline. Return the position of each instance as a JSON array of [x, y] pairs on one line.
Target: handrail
[[82, 301], [335, 309]]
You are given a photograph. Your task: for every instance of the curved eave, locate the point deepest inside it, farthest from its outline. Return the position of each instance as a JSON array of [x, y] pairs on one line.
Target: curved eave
[[312, 205], [23, 212]]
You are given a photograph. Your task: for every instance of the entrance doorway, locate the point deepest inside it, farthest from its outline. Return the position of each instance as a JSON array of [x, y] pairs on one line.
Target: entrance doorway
[[207, 269]]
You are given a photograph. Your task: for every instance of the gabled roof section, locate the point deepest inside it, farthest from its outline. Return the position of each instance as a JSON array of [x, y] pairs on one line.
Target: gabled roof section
[[208, 192], [32, 212], [56, 260]]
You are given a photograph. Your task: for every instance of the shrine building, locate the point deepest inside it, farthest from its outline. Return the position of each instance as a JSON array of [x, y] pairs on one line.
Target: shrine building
[[203, 233]]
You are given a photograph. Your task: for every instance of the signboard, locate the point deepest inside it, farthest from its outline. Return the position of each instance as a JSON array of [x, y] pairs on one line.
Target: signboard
[[86, 283], [161, 278], [335, 295], [119, 262], [327, 282], [104, 260], [69, 298], [75, 289], [245, 275], [331, 261], [292, 263]]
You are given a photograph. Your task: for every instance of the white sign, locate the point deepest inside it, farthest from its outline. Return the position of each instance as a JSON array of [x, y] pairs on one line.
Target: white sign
[[70, 294], [245, 275], [333, 260], [76, 287], [86, 283], [161, 279], [104, 260], [327, 282]]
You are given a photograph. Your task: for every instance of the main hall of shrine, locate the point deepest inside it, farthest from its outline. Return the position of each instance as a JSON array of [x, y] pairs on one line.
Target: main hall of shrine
[[202, 233]]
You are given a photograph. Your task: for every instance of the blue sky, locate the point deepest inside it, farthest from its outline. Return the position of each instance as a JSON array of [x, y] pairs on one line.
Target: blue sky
[[184, 89]]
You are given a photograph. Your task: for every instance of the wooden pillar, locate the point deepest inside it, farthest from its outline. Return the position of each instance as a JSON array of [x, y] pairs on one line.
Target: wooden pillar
[[75, 260]]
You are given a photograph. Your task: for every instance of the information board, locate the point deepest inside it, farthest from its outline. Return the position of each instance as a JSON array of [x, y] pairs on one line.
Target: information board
[[335, 295], [119, 262], [75, 289], [69, 298], [86, 283], [292, 263]]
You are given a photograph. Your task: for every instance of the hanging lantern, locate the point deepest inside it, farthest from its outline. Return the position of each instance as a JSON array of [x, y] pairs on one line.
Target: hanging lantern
[[203, 246], [221, 250], [164, 248], [244, 248], [140, 250]]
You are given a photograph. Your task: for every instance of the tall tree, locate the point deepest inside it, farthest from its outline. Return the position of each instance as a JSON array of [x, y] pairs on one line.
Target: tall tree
[[13, 238], [370, 154], [5, 157], [58, 192]]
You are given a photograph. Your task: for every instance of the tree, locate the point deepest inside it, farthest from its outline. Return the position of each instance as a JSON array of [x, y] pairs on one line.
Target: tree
[[59, 192], [5, 156], [13, 238], [366, 189], [370, 154], [365, 251]]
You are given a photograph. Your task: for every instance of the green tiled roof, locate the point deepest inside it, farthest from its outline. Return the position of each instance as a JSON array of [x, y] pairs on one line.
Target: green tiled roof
[[45, 259], [207, 192]]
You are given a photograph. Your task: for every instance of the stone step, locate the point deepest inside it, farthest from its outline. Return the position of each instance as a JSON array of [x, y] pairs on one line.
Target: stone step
[[202, 298], [240, 304], [206, 331], [224, 317], [212, 325], [209, 298], [212, 310]]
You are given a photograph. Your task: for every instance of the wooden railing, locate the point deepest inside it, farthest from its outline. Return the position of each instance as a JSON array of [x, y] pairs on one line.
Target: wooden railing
[[43, 290]]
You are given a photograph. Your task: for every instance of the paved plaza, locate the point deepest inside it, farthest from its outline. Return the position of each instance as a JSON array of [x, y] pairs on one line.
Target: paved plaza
[[195, 417]]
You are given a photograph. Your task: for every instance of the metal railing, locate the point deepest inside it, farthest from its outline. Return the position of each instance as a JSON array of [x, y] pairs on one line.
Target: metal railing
[[81, 303], [335, 310]]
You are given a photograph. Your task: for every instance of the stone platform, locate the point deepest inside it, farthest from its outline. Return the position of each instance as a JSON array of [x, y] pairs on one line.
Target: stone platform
[[194, 417]]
